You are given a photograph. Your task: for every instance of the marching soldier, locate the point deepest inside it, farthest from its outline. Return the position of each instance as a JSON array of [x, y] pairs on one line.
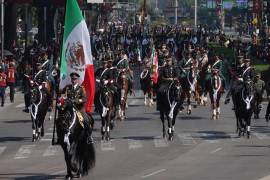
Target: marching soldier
[[3, 84], [11, 80], [267, 88], [259, 89]]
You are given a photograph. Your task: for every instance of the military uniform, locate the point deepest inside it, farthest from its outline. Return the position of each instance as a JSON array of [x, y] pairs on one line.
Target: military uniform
[[183, 65], [77, 95], [166, 72]]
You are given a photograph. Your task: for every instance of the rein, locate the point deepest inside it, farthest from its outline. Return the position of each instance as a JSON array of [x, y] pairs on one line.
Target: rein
[[173, 104], [216, 90], [36, 105], [192, 85], [247, 100]]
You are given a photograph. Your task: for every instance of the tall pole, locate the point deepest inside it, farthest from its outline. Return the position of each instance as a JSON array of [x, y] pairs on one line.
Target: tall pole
[[26, 31], [195, 15], [45, 24], [2, 29], [176, 10]]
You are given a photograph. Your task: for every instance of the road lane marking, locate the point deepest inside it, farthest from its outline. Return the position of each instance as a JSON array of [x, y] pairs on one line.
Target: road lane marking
[[2, 149], [186, 139], [160, 142], [153, 173], [51, 151], [216, 150], [107, 146], [261, 136], [45, 139], [20, 105], [24, 151], [134, 102], [48, 134], [134, 144]]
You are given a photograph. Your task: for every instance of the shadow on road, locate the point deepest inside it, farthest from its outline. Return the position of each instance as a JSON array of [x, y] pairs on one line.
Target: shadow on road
[[146, 138], [9, 139], [18, 121], [29, 176]]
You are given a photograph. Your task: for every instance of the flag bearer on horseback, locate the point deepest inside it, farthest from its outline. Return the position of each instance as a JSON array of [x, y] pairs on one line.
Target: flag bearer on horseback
[[75, 92], [167, 74]]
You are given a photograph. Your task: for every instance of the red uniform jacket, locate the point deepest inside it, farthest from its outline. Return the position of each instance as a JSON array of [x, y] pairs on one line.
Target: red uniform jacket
[[11, 75], [3, 79]]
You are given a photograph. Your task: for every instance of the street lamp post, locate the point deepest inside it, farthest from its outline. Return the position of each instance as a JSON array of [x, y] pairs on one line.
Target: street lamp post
[[2, 29]]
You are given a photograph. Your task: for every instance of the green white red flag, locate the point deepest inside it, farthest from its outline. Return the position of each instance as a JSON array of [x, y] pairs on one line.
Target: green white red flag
[[154, 58], [76, 52]]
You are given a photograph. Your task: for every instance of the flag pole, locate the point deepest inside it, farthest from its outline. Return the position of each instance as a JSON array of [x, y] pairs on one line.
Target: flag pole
[[58, 90]]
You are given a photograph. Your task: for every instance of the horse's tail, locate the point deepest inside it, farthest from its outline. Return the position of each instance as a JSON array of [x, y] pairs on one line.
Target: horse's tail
[[83, 156]]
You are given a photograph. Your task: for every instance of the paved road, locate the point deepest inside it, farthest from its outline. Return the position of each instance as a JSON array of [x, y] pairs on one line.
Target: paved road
[[202, 148]]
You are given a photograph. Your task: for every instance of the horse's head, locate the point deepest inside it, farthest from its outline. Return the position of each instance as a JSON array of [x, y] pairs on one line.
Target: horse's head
[[35, 94], [175, 91], [248, 87]]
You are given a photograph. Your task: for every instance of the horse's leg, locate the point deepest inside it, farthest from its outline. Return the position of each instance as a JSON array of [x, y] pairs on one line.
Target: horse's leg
[[218, 106], [163, 123], [248, 120], [188, 103], [33, 129], [103, 129], [151, 97], [107, 128], [170, 132], [69, 175], [145, 98]]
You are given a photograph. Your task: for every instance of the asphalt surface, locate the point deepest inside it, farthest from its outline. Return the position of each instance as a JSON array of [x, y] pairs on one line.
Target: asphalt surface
[[202, 148]]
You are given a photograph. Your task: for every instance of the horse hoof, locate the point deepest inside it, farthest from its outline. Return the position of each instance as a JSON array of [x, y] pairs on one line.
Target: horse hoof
[[68, 177], [170, 137], [33, 138]]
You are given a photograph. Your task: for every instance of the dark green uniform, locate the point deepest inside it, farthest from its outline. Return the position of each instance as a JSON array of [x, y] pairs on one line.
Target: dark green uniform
[[77, 95]]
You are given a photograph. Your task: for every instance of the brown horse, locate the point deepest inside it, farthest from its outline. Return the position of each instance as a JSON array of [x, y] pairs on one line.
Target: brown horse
[[122, 80], [147, 86], [215, 89]]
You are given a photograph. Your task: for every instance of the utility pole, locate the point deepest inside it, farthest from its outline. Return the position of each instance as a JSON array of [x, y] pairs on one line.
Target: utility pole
[[176, 10], [2, 29], [195, 15]]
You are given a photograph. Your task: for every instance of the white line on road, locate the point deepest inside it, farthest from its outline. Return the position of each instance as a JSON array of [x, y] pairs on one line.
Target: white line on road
[[2, 149], [107, 146], [134, 102], [20, 105], [154, 173], [51, 150], [134, 144], [160, 142], [216, 150], [45, 139], [186, 139], [24, 151], [261, 136]]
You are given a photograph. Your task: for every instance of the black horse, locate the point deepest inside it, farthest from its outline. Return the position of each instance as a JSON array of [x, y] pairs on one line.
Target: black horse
[[74, 132], [147, 86], [170, 102], [38, 109], [244, 107], [105, 105]]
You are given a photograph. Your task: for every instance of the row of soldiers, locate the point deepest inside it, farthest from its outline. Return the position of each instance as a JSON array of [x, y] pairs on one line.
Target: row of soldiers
[[7, 79]]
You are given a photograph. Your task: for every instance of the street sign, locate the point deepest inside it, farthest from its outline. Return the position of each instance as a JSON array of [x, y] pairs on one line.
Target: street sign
[[95, 1]]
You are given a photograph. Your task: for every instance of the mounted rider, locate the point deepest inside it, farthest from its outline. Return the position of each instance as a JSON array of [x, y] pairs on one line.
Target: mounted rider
[[75, 92], [185, 65], [167, 74], [217, 66], [40, 79], [122, 66]]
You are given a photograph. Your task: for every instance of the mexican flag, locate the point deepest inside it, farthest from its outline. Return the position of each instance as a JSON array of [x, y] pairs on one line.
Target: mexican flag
[[154, 58], [76, 52]]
